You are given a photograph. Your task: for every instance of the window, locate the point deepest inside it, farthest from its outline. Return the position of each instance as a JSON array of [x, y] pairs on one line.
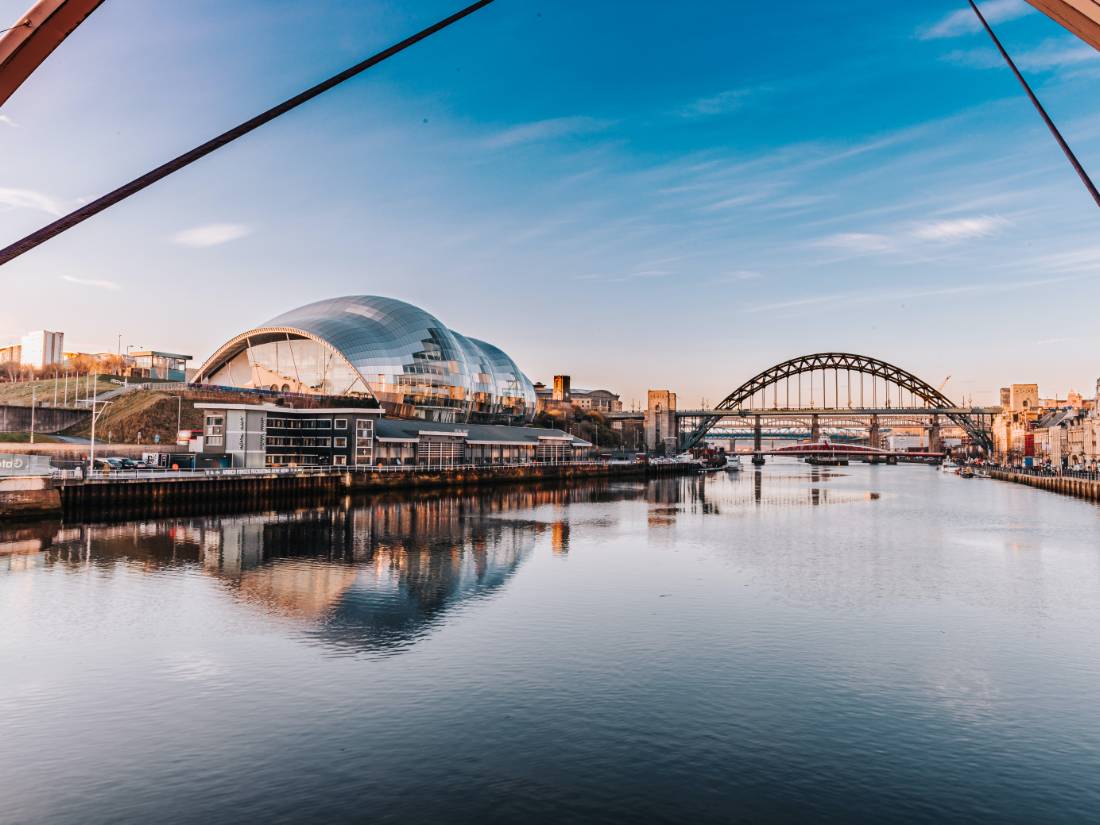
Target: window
[[215, 425], [340, 423], [340, 460], [339, 441]]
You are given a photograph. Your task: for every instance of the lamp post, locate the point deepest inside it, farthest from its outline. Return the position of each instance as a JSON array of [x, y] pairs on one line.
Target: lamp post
[[32, 411], [95, 416], [128, 348]]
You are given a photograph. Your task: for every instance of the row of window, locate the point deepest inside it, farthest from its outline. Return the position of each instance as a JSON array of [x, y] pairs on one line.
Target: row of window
[[306, 441]]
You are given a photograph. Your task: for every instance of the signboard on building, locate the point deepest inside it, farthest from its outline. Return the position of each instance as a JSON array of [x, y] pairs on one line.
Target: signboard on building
[[24, 465]]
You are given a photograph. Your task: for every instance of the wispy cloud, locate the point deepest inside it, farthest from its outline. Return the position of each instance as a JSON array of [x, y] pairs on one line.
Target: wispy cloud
[[849, 299], [541, 130], [735, 201], [1045, 342], [720, 104], [211, 234], [737, 275], [30, 199], [964, 21], [960, 229], [7, 121], [856, 242], [92, 282], [911, 237], [1059, 53]]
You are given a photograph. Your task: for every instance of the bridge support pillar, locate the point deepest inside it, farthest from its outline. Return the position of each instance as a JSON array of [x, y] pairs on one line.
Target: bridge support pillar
[[757, 442], [875, 433], [935, 436], [815, 429]]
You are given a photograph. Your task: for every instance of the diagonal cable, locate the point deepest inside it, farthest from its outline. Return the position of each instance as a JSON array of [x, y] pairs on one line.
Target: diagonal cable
[[137, 184], [1081, 173]]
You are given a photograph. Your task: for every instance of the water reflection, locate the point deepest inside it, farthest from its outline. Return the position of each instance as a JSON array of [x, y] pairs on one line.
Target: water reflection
[[365, 576], [376, 575]]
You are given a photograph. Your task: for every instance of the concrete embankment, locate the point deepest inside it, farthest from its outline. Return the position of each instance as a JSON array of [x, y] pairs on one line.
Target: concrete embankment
[[29, 497], [1066, 485], [134, 497]]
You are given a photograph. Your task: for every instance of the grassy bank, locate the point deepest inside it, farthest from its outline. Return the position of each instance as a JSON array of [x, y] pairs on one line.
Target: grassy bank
[[25, 438], [19, 393]]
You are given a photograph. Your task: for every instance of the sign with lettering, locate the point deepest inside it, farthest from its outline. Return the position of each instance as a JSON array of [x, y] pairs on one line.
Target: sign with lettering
[[24, 465]]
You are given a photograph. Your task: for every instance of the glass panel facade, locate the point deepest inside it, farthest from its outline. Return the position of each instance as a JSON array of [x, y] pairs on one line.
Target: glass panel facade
[[398, 353]]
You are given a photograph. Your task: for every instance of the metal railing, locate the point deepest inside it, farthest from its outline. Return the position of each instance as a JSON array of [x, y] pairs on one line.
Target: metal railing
[[156, 473], [1047, 472]]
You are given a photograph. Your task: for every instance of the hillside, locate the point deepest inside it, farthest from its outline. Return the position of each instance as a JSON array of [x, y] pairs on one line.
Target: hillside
[[137, 417], [19, 393]]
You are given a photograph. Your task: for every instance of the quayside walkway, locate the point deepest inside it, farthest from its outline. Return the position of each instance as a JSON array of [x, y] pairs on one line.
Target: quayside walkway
[[149, 492], [1081, 484]]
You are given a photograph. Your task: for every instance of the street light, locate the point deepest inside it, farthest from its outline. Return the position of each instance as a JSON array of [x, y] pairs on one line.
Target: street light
[[95, 417]]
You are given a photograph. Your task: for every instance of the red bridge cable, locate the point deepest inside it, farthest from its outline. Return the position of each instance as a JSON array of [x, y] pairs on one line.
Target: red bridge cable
[[137, 184], [1081, 173]]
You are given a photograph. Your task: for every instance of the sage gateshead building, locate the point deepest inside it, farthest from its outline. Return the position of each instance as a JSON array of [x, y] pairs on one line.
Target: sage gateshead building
[[377, 348]]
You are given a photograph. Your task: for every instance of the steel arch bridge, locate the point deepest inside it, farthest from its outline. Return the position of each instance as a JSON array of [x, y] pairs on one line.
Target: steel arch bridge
[[923, 398]]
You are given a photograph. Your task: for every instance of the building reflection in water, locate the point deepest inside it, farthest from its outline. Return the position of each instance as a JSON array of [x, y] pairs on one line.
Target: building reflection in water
[[362, 577], [377, 575], [559, 537]]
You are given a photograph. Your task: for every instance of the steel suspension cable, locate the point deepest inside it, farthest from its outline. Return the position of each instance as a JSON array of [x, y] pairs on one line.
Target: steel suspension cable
[[137, 184], [1081, 173]]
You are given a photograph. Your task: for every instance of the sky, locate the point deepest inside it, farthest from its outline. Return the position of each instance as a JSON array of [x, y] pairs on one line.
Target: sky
[[672, 195]]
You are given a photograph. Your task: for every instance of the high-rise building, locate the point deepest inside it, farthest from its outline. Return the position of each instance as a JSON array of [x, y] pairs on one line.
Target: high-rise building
[[561, 388], [36, 349]]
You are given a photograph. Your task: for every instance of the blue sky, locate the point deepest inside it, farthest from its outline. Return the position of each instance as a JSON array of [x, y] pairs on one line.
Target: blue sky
[[676, 198]]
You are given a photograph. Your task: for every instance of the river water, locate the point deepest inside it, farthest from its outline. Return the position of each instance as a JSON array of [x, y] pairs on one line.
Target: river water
[[854, 644]]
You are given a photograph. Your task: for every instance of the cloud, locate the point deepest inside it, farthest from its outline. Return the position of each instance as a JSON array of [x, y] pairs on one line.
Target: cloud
[[211, 234], [856, 242], [720, 104], [7, 120], [1044, 342], [736, 276], [541, 130], [735, 201], [1058, 53], [98, 284], [960, 229], [29, 199], [964, 21], [862, 298]]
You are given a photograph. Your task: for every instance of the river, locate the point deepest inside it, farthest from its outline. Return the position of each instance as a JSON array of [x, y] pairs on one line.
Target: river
[[858, 644]]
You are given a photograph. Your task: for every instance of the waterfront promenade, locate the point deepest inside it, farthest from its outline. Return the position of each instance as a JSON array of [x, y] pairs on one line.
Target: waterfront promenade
[[138, 492]]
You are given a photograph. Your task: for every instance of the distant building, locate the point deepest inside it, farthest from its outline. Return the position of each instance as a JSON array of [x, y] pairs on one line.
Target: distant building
[[561, 389], [158, 366], [37, 349], [599, 400], [267, 435], [564, 395], [1023, 397]]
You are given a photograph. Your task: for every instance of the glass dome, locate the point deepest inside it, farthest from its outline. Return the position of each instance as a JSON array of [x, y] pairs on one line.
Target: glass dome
[[366, 345]]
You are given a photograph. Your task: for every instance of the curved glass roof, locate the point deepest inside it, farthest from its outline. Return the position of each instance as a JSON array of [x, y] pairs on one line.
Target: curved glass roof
[[406, 356]]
